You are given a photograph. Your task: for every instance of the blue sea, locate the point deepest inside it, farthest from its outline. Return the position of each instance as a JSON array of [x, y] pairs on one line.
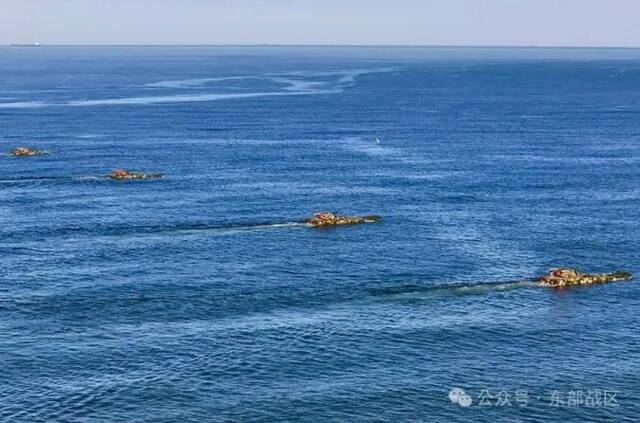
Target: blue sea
[[201, 297]]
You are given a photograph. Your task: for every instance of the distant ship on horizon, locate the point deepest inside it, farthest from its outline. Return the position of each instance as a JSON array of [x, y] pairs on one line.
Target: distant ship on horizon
[[25, 45]]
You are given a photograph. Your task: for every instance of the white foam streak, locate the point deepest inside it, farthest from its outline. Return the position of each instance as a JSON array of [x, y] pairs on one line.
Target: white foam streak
[[184, 98], [292, 83], [23, 105], [195, 82]]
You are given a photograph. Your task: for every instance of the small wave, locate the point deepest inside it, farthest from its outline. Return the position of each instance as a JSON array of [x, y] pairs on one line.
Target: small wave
[[89, 136], [370, 148]]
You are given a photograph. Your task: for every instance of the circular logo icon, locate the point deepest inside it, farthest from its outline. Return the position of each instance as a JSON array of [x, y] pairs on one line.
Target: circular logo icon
[[460, 397], [465, 401], [455, 394]]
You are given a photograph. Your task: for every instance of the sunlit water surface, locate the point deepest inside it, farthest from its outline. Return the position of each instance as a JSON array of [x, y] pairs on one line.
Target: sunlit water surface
[[200, 297]]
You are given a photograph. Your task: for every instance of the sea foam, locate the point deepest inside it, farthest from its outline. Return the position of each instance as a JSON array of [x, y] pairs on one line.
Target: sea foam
[[288, 84]]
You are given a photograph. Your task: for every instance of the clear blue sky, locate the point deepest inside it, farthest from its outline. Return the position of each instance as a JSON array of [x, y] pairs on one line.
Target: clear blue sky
[[440, 22]]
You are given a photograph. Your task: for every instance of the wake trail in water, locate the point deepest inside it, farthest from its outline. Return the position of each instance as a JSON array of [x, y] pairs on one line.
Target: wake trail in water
[[476, 288], [196, 82], [185, 98], [286, 84], [138, 230], [24, 179]]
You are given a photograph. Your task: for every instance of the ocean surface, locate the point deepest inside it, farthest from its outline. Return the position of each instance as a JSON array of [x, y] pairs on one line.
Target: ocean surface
[[200, 297]]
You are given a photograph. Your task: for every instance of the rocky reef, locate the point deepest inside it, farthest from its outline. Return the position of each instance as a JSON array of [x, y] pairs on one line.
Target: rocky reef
[[322, 219], [122, 174], [561, 278], [27, 152]]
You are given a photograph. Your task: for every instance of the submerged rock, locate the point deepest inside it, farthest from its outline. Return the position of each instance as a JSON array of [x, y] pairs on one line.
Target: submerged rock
[[333, 219], [127, 174], [26, 152], [560, 278]]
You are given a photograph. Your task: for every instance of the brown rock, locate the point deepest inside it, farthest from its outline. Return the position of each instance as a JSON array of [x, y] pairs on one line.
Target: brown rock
[[560, 278], [122, 174], [26, 152], [333, 219]]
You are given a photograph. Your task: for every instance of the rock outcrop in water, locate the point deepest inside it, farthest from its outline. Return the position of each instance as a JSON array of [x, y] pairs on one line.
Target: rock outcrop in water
[[127, 174], [560, 278], [333, 219], [27, 152]]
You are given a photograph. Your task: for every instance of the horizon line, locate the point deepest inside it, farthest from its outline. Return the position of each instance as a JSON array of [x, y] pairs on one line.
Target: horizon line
[[267, 45]]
